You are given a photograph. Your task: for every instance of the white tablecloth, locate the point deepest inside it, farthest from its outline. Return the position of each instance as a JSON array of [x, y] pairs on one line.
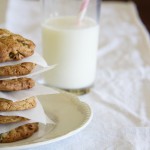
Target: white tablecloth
[[120, 98]]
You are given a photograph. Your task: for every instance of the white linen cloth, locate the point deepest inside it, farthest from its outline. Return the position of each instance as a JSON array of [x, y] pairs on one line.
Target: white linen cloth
[[120, 98]]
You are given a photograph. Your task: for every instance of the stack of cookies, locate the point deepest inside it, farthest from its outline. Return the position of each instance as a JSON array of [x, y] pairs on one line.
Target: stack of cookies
[[14, 47]]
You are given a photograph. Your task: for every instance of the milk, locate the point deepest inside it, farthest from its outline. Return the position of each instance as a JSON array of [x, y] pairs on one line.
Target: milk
[[72, 46]]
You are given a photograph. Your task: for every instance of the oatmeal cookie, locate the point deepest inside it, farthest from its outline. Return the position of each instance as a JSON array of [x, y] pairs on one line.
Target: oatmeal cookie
[[11, 119], [16, 84], [14, 46], [7, 105], [17, 70], [19, 133]]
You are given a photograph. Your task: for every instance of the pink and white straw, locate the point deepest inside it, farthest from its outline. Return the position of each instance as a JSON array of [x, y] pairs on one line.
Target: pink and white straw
[[82, 11]]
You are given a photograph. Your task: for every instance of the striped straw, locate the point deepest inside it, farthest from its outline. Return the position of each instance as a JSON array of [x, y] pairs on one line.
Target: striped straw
[[82, 10]]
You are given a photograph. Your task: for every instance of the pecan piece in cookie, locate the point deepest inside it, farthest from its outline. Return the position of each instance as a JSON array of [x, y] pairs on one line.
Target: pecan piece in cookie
[[17, 70], [14, 46], [19, 133], [16, 84]]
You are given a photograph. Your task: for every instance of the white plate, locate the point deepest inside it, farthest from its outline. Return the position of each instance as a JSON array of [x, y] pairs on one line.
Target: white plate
[[70, 114]]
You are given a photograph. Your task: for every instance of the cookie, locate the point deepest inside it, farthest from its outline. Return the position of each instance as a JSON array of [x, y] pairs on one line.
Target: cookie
[[4, 32], [11, 119], [17, 70], [7, 105], [14, 46], [16, 84], [19, 133]]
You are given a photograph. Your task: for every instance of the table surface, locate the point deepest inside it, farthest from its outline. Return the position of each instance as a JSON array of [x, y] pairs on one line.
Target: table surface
[[120, 96], [143, 9]]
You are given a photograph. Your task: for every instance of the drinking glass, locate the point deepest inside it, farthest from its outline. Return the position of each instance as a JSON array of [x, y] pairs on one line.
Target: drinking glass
[[70, 40]]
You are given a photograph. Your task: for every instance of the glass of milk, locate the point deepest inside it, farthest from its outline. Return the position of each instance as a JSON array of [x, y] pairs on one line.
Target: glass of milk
[[70, 44]]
